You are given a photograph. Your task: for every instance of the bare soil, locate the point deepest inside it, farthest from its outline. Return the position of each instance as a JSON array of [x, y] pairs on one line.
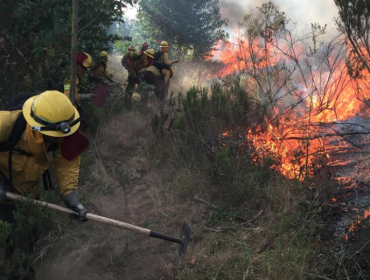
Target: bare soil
[[145, 198]]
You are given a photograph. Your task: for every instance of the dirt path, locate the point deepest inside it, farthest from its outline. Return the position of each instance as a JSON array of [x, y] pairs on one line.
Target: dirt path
[[140, 193]]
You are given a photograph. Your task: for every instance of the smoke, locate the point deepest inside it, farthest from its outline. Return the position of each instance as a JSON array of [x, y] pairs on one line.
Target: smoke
[[302, 13]]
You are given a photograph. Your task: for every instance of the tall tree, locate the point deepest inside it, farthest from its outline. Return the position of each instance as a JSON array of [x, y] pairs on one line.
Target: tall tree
[[191, 27], [354, 22], [35, 40]]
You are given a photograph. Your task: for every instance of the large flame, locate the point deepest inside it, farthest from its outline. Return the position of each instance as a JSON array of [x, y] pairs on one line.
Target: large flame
[[305, 130], [243, 55], [301, 131]]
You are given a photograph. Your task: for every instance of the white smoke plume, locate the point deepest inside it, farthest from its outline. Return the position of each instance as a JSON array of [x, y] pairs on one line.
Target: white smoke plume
[[301, 12]]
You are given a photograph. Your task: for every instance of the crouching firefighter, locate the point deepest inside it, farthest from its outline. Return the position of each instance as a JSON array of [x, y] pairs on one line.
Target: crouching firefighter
[[100, 70], [83, 62], [163, 63], [30, 129], [139, 62], [126, 59]]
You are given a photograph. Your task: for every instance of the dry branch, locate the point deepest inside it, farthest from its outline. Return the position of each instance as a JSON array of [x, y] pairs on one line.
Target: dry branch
[[339, 207], [344, 192], [319, 276], [359, 251], [90, 23], [220, 229], [327, 135], [254, 218], [197, 198]]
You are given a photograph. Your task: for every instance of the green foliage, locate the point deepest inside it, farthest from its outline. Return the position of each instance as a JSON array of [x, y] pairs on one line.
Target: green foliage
[[237, 179], [207, 113], [126, 30], [268, 22], [37, 33], [205, 117], [133, 35], [354, 22], [190, 27], [18, 239]]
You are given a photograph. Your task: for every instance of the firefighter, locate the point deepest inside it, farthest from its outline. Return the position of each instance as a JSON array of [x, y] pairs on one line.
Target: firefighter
[[83, 62], [162, 61], [126, 59], [100, 71], [139, 62], [47, 123], [144, 47]]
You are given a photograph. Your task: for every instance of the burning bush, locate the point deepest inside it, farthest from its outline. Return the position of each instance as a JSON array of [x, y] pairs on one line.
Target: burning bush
[[315, 107]]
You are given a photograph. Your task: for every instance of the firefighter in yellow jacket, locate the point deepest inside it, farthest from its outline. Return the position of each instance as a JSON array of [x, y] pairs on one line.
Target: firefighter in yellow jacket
[[49, 119], [163, 58], [139, 62], [100, 71], [126, 59], [83, 62]]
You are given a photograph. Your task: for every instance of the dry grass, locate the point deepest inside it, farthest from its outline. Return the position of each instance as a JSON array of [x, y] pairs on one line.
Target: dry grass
[[275, 246], [135, 177]]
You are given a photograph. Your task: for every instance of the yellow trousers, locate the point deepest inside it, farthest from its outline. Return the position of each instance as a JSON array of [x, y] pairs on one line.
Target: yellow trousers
[[167, 75]]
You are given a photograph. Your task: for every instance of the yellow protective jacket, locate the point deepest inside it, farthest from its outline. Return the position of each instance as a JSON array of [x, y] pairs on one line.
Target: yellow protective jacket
[[165, 59], [101, 71], [27, 170], [67, 90], [138, 63]]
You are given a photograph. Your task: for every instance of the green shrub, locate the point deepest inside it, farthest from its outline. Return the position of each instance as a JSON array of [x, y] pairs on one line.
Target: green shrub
[[18, 239]]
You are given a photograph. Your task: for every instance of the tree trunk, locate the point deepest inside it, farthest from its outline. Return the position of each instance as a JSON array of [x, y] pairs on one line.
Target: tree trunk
[[74, 50]]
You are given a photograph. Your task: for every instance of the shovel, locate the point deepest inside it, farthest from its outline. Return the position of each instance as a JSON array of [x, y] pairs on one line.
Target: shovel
[[183, 241]]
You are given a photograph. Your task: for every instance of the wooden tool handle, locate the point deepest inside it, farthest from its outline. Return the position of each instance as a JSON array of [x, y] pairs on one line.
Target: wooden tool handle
[[100, 219]]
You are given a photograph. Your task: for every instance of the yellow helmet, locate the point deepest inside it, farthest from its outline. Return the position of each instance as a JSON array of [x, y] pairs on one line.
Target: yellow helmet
[[103, 54], [88, 61], [164, 44], [51, 113], [149, 53]]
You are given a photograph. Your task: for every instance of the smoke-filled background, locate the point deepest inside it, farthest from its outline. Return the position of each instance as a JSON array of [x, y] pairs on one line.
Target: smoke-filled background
[[303, 13]]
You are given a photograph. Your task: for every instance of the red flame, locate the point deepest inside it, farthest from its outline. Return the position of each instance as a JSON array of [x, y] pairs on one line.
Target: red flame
[[355, 226], [298, 137], [238, 57]]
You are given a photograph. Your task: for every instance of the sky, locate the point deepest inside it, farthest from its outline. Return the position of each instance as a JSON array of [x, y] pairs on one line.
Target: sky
[[131, 12], [301, 12]]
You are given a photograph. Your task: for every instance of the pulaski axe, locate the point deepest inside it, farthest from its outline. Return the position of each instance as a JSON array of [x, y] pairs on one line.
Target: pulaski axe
[[183, 241]]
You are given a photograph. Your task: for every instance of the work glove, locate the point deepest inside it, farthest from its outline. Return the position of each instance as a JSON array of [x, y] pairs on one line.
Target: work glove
[[72, 201], [2, 193], [87, 96]]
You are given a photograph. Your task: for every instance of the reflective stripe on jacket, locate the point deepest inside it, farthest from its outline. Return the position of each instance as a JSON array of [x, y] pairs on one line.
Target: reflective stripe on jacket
[[67, 90]]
